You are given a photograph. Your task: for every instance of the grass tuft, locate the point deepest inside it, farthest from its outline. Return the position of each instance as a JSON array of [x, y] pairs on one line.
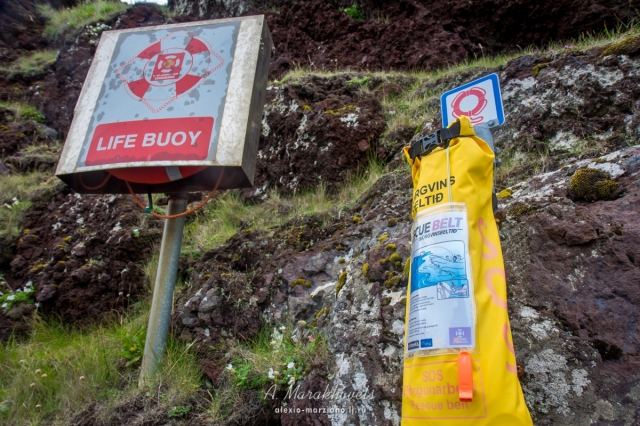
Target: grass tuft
[[64, 21], [23, 112], [224, 216], [35, 61], [16, 194], [59, 371]]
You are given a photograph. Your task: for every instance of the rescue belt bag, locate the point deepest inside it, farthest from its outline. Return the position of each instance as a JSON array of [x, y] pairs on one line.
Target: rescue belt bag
[[459, 365]]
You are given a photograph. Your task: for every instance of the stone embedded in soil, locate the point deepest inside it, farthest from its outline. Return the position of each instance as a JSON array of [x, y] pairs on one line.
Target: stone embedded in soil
[[83, 256], [318, 131]]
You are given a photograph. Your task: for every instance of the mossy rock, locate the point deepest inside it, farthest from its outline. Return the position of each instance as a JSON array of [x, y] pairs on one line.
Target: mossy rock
[[342, 280], [536, 69], [365, 271], [296, 282], [627, 46], [505, 193], [407, 267], [520, 209], [592, 185]]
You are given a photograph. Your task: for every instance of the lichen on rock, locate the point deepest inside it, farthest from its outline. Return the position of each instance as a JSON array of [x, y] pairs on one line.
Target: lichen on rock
[[591, 185]]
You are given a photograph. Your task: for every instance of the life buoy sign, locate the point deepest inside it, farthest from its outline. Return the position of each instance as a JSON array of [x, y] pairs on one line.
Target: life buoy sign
[[169, 69], [159, 74], [475, 102], [480, 100]]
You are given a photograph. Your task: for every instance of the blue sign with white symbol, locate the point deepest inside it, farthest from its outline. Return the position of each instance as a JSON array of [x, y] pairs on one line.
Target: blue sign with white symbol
[[480, 100]]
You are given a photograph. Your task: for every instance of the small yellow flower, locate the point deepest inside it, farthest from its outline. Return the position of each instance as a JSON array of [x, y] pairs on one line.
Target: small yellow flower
[[82, 378], [32, 385], [43, 376]]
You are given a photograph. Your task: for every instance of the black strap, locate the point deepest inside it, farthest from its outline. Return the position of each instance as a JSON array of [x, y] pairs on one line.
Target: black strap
[[430, 142]]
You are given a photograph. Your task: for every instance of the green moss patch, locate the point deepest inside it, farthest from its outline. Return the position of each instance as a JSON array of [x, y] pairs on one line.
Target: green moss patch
[[518, 210], [592, 185], [626, 46]]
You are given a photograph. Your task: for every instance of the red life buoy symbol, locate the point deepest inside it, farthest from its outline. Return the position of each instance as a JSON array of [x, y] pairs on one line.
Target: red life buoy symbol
[[480, 95], [158, 75], [169, 68]]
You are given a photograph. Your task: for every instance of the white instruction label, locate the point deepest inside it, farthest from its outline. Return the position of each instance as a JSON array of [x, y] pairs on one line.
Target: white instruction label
[[441, 306]]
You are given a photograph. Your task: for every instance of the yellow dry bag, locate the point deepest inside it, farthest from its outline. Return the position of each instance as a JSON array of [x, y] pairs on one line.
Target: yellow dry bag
[[460, 366]]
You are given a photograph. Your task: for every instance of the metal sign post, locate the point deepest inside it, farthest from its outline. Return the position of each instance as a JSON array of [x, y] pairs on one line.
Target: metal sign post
[[170, 109], [161, 305]]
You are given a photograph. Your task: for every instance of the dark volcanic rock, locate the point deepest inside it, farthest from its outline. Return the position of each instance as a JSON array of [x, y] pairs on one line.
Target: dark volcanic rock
[[316, 131], [409, 34], [318, 35], [84, 254], [21, 30], [573, 274]]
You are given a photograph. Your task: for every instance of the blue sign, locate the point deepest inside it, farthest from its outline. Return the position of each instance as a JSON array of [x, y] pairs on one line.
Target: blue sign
[[480, 100]]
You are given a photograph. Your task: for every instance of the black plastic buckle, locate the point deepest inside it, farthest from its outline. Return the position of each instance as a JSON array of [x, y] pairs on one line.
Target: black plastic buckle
[[427, 144], [430, 142]]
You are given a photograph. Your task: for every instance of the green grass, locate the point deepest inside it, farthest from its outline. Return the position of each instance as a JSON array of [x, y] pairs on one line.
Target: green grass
[[64, 21], [354, 12], [273, 358], [23, 112], [16, 193], [595, 40], [59, 371], [224, 216], [35, 61]]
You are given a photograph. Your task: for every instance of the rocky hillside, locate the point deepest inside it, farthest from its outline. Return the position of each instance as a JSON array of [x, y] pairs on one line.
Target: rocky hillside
[[321, 286]]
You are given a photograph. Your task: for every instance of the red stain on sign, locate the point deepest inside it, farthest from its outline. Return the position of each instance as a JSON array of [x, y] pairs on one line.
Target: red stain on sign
[[170, 139], [480, 95]]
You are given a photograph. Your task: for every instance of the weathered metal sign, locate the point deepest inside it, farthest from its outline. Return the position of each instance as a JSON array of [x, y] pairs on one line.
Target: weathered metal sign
[[171, 106]]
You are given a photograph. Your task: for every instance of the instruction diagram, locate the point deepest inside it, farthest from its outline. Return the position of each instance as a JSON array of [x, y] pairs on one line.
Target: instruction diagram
[[441, 306]]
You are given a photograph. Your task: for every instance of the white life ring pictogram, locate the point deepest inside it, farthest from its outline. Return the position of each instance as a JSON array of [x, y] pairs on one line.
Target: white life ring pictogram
[[168, 69], [481, 102]]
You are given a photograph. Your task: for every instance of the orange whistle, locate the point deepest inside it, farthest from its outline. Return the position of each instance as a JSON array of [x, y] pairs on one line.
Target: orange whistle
[[465, 377]]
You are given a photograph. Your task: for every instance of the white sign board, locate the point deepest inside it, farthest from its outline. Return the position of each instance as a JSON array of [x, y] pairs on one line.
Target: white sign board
[[479, 100], [162, 104]]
